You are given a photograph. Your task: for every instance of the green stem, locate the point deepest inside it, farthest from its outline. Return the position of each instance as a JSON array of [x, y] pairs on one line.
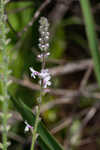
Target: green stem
[[38, 110], [35, 128], [34, 137], [92, 37], [4, 74]]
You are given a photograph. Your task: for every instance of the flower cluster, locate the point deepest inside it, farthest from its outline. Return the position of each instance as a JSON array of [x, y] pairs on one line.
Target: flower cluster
[[44, 34], [44, 76]]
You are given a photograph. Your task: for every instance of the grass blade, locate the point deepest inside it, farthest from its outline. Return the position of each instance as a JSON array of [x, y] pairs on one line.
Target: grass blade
[[92, 37]]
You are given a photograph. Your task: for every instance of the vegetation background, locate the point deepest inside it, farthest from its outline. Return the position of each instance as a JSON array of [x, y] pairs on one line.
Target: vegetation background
[[71, 109]]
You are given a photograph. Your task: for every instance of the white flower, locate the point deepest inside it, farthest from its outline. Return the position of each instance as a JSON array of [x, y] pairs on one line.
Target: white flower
[[34, 73], [41, 55], [46, 81], [44, 73], [47, 54], [27, 127], [46, 77]]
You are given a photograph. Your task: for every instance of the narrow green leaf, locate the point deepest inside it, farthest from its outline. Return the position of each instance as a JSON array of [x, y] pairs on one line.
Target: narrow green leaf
[[92, 37], [43, 145], [45, 138]]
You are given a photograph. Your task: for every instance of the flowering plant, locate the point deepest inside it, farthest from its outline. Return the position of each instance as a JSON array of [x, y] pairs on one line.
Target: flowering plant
[[43, 75]]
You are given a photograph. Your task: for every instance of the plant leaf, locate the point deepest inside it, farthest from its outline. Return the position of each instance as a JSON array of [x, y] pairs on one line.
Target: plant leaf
[[45, 138], [92, 36]]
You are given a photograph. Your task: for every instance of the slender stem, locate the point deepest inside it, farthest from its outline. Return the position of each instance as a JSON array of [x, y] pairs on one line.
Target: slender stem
[[43, 45], [35, 128], [4, 74], [38, 110], [43, 63]]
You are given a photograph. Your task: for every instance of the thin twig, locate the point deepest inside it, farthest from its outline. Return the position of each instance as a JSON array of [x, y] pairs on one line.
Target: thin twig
[[71, 67], [54, 102], [36, 15], [61, 92], [62, 124], [86, 77], [59, 10], [90, 113]]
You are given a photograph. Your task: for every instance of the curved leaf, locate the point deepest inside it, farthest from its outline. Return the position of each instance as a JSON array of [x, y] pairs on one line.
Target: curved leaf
[[46, 140]]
